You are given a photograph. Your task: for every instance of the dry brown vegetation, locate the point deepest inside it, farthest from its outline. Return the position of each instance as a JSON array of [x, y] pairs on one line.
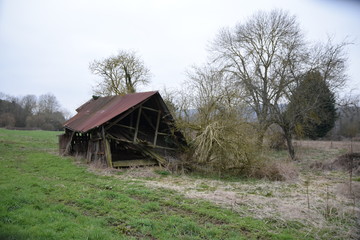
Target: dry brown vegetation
[[349, 146], [316, 200]]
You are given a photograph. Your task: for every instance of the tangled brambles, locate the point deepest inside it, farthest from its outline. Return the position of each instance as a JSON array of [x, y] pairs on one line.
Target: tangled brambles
[[224, 148]]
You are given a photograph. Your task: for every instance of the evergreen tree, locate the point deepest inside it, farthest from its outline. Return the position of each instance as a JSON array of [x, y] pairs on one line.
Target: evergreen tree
[[312, 105]]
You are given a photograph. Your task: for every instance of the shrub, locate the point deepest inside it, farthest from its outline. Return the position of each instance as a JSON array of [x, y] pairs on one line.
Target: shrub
[[275, 170], [7, 120], [224, 146], [276, 141], [211, 115]]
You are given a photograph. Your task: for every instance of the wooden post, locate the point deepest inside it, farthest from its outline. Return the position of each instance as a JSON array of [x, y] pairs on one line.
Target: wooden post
[[137, 125], [108, 153], [89, 151], [157, 127], [131, 122], [68, 145], [107, 149]]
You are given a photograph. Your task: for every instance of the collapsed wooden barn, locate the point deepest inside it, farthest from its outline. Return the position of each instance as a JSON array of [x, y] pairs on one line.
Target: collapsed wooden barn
[[119, 131]]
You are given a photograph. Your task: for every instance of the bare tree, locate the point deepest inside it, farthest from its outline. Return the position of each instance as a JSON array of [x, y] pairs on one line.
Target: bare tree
[[47, 103], [121, 74], [29, 103], [210, 116], [268, 57], [263, 54], [213, 92], [330, 60]]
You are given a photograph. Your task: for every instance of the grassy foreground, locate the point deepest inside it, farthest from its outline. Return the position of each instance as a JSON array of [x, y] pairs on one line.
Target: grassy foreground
[[45, 196]]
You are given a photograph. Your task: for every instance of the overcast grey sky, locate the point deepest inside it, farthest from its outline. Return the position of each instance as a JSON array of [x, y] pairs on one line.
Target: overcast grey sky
[[47, 45]]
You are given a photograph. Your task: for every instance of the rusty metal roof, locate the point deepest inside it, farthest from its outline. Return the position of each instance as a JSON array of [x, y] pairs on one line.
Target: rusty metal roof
[[96, 112]]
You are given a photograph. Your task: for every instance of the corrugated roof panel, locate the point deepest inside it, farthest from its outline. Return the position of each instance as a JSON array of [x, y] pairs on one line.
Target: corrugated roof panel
[[96, 112]]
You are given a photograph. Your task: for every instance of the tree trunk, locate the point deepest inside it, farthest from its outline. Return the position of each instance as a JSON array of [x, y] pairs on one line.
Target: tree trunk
[[290, 146], [260, 139], [261, 129]]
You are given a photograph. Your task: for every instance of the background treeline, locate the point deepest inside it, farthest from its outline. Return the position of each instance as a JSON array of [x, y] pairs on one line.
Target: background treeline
[[32, 112], [348, 124]]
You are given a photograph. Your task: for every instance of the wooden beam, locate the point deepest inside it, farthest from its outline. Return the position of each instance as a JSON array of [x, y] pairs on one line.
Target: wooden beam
[[89, 153], [107, 149], [68, 145], [151, 109], [148, 120], [108, 153], [164, 134], [137, 124], [167, 148], [122, 117], [135, 162], [143, 143], [152, 154], [157, 127], [119, 139], [124, 126]]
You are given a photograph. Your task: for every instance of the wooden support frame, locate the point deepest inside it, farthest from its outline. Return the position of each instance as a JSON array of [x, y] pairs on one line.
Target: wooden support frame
[[122, 117], [157, 127], [89, 153], [124, 126], [135, 162], [139, 134], [148, 119], [164, 134], [137, 124], [144, 143], [108, 153], [151, 109], [119, 139], [107, 148], [68, 145]]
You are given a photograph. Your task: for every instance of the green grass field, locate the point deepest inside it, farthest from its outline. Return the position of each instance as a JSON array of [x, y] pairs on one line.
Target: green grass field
[[45, 196]]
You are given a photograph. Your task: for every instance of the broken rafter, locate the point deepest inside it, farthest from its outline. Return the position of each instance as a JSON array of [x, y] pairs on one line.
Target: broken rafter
[[151, 154], [144, 143]]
